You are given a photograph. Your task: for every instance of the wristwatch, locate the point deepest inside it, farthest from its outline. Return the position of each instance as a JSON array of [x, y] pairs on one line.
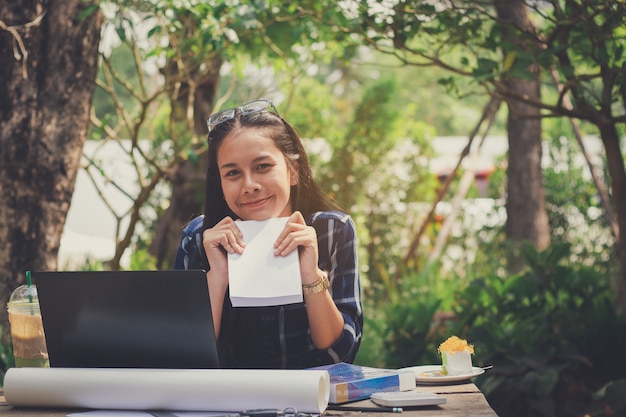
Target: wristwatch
[[318, 286]]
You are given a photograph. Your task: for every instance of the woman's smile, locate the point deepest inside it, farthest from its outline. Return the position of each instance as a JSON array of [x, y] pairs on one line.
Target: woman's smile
[[255, 203]]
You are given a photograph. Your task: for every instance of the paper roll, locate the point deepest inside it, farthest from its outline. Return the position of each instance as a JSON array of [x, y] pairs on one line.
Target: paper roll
[[231, 390]]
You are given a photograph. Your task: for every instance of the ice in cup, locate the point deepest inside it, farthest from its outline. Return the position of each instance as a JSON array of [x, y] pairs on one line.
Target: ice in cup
[[27, 335]]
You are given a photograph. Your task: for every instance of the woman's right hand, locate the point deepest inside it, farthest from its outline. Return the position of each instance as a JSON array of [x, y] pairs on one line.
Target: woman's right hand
[[223, 238]]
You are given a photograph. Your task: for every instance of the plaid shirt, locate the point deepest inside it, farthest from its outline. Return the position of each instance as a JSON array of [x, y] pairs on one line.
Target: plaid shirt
[[279, 336]]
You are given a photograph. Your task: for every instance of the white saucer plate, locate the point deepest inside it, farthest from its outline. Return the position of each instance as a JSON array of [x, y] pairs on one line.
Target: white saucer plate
[[433, 374]]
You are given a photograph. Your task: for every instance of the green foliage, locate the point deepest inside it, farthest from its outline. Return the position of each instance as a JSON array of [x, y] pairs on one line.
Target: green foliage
[[400, 329], [367, 140], [374, 174], [551, 333], [7, 359], [574, 210], [91, 264], [315, 112], [409, 319], [121, 59], [142, 260], [88, 11]]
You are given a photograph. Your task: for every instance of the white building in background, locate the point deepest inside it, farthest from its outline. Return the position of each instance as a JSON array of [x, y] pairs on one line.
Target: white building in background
[[91, 226], [449, 149]]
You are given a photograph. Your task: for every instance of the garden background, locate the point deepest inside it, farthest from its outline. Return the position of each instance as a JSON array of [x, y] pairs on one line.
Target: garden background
[[523, 259]]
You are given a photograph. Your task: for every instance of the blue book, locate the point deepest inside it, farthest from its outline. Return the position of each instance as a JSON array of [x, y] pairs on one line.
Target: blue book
[[353, 382]]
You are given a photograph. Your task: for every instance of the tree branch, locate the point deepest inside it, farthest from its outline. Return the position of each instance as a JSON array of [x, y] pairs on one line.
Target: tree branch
[[20, 53]]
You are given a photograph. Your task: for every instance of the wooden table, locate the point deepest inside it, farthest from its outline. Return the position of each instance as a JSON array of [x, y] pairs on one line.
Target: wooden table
[[462, 400]]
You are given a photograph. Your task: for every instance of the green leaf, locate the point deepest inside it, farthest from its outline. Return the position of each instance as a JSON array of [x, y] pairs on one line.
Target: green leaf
[[546, 381], [485, 70], [88, 11]]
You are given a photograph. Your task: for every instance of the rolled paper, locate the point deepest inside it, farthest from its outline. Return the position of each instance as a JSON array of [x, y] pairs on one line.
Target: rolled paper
[[230, 390]]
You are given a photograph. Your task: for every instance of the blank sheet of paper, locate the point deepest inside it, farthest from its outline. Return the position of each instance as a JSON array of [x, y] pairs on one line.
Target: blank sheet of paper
[[258, 277]]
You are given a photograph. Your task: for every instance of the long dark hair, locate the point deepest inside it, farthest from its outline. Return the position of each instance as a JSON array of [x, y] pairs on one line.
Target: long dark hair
[[306, 196]]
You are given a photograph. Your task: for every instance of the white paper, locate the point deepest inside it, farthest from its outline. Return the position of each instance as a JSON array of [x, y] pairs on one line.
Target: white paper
[[228, 390], [258, 277]]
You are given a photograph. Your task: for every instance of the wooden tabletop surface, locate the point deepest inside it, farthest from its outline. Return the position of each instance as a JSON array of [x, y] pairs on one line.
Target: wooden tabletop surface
[[462, 400]]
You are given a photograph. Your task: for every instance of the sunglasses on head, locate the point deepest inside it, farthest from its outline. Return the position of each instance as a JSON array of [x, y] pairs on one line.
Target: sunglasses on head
[[245, 109]]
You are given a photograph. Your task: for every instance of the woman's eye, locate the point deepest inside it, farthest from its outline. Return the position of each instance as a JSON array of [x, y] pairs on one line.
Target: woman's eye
[[231, 173], [262, 167]]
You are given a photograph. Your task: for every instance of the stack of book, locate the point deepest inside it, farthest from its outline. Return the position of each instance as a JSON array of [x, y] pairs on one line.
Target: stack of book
[[350, 382]]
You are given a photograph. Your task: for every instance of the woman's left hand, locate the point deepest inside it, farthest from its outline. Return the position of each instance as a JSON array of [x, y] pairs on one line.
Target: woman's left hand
[[297, 235]]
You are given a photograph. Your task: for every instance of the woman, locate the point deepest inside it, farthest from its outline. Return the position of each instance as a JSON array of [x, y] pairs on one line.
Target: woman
[[258, 169]]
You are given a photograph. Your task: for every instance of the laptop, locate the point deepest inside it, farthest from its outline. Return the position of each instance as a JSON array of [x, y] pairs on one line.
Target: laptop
[[127, 319]]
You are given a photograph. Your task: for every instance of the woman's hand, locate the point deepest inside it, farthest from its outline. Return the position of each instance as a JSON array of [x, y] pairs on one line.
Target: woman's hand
[[297, 235], [225, 237]]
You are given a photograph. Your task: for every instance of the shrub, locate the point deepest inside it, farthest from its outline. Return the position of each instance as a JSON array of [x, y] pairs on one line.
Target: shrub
[[551, 333]]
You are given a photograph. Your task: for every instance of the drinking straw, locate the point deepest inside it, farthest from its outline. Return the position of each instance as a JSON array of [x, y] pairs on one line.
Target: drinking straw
[[29, 283]]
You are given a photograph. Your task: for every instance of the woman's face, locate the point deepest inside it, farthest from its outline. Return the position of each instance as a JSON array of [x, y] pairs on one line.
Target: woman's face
[[255, 177]]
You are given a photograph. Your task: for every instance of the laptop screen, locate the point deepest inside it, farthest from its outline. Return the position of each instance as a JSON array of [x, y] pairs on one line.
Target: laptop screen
[[127, 319]]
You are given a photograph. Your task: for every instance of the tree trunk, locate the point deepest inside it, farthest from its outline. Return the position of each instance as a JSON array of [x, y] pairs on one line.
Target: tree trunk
[[188, 189], [617, 173], [46, 96], [527, 220]]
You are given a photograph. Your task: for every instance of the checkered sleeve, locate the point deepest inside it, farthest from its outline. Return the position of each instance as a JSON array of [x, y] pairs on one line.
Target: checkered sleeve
[[189, 255], [337, 242]]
